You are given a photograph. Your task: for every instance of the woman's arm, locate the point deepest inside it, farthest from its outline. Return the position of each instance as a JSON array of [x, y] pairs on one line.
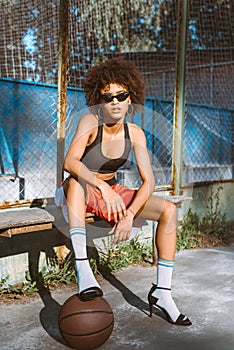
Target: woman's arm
[[144, 167], [123, 229], [72, 163]]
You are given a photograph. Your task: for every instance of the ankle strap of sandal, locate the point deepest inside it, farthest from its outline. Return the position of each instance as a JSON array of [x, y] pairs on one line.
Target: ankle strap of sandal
[[163, 288]]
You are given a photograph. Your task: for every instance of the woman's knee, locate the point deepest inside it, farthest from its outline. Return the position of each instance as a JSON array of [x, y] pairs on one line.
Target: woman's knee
[[168, 212], [75, 203], [72, 186]]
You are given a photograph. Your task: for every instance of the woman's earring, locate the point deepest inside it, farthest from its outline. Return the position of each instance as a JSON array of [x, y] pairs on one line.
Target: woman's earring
[[99, 113], [130, 111]]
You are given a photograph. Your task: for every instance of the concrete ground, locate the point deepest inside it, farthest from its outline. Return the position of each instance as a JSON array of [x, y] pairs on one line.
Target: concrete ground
[[203, 284]]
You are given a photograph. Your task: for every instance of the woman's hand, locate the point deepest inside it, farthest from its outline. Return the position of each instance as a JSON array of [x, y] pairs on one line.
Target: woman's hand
[[114, 203], [123, 228]]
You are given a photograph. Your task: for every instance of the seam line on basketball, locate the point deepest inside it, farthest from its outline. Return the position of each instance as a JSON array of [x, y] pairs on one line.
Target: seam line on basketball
[[87, 334], [85, 312]]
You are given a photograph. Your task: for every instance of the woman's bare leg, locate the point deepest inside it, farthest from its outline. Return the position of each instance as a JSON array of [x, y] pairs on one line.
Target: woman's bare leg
[[76, 213], [164, 212]]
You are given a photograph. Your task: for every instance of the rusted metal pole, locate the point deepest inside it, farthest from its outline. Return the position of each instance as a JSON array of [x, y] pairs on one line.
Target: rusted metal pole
[[179, 96], [62, 85]]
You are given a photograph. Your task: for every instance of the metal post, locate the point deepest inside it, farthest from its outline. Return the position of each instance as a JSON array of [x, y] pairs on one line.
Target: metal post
[[62, 85], [211, 78], [179, 96]]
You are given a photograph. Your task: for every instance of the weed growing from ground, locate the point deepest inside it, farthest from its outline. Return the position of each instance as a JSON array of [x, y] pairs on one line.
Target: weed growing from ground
[[115, 257], [209, 230]]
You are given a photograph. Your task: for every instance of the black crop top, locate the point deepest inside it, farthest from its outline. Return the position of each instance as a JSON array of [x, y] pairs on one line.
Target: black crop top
[[95, 160]]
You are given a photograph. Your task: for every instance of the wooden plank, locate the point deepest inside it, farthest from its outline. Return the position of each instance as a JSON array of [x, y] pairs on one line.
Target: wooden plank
[[178, 199], [175, 199], [25, 229], [24, 203], [25, 220], [24, 217]]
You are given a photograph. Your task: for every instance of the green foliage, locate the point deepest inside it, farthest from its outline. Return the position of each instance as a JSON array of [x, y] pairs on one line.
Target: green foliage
[[195, 232], [49, 276], [55, 276], [215, 221], [115, 257], [28, 288], [187, 231]]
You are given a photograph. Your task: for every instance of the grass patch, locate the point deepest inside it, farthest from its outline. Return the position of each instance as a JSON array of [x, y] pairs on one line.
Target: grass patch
[[49, 277], [116, 257], [207, 231]]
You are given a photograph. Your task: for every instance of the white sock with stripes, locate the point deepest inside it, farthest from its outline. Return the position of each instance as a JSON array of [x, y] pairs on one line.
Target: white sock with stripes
[[164, 277], [85, 274]]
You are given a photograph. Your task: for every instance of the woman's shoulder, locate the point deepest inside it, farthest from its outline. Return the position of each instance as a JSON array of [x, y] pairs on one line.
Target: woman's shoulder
[[89, 118], [135, 131], [88, 122], [87, 126]]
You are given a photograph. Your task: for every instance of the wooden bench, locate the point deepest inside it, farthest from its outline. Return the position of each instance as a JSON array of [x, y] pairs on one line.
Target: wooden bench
[[31, 231], [14, 222], [177, 200], [24, 220]]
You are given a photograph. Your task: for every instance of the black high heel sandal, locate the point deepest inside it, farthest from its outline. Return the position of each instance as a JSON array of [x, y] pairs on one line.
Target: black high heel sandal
[[182, 320], [91, 292]]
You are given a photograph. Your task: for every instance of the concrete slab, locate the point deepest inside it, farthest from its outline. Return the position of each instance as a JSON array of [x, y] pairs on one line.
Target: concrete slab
[[203, 284]]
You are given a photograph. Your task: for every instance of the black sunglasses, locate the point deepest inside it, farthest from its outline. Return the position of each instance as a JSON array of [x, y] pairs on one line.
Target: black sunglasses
[[120, 97]]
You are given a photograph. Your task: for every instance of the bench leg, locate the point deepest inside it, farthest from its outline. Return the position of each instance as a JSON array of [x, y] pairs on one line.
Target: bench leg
[[33, 264], [154, 225]]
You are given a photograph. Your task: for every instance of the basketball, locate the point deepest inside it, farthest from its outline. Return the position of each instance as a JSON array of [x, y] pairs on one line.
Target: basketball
[[85, 325]]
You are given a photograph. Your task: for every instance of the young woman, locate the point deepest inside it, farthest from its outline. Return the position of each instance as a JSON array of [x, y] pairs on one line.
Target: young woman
[[101, 145]]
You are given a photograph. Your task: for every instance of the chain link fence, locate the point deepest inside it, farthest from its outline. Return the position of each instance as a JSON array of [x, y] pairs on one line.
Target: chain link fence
[[144, 32], [30, 120]]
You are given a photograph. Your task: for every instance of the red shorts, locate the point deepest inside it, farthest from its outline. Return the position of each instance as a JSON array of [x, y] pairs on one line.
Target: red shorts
[[96, 204]]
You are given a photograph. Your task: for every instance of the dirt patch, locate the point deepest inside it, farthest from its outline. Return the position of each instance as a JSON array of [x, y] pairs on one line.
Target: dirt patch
[[13, 298], [210, 241]]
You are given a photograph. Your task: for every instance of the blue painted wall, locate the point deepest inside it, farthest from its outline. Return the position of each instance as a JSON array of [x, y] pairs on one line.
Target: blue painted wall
[[28, 113]]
